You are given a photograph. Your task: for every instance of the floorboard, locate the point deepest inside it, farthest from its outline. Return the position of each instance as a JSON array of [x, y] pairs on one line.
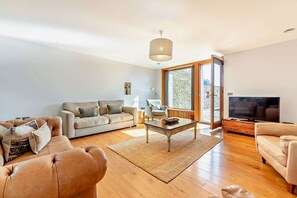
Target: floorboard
[[233, 161]]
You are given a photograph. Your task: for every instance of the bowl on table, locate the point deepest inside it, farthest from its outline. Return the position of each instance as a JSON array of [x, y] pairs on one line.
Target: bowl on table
[[171, 120]]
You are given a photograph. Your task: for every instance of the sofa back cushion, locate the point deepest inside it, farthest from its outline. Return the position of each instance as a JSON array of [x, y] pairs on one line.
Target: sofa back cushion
[[73, 106], [103, 105]]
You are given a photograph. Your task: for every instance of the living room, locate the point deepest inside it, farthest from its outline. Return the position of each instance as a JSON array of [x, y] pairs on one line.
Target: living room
[[59, 60]]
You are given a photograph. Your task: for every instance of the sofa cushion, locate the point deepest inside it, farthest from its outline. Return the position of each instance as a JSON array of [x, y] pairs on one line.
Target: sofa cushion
[[114, 109], [103, 105], [55, 145], [271, 145], [85, 112], [90, 122], [120, 117], [73, 106], [284, 142], [159, 112], [38, 139]]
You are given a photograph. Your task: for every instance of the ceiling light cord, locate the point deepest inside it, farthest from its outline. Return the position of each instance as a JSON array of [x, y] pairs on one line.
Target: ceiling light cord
[[161, 33]]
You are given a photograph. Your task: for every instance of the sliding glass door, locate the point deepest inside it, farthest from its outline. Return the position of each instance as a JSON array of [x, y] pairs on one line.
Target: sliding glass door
[[211, 92], [205, 89], [216, 92]]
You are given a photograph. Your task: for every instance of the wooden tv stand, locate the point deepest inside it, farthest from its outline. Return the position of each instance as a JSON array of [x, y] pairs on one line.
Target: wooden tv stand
[[240, 126]]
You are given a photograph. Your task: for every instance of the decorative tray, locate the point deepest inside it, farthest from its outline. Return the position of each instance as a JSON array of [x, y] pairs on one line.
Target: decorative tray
[[171, 120]]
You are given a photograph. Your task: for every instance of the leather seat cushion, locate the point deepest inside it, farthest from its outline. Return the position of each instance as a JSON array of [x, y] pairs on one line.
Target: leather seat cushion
[[120, 117], [90, 121], [271, 144], [56, 144], [159, 112]]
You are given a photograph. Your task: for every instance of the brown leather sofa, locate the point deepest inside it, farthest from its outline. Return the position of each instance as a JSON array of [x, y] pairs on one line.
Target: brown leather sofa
[[57, 171]]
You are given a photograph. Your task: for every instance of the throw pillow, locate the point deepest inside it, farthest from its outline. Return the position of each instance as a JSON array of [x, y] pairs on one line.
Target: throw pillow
[[284, 142], [39, 138], [16, 140], [156, 107], [85, 112], [114, 109]]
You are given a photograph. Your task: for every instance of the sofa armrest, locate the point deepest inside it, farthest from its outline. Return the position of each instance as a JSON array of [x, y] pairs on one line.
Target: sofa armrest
[[65, 174], [291, 174], [132, 111], [275, 129], [68, 123]]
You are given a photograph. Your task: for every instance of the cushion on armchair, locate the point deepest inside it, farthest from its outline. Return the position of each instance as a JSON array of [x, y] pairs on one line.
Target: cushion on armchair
[[270, 144], [159, 112], [284, 142]]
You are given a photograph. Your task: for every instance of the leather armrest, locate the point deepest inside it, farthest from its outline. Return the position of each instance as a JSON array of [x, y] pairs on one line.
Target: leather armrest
[[132, 111], [64, 174], [68, 123]]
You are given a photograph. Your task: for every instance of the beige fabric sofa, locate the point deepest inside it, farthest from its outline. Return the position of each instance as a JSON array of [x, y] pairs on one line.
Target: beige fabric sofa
[[57, 171], [74, 126], [268, 142]]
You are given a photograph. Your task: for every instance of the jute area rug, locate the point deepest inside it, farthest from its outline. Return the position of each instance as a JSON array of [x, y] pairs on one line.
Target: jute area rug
[[154, 158]]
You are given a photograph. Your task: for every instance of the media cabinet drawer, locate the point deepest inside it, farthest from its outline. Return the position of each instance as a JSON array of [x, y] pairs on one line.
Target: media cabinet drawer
[[239, 126]]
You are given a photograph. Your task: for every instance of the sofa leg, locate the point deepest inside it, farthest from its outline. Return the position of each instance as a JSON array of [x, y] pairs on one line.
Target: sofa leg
[[263, 160], [290, 188]]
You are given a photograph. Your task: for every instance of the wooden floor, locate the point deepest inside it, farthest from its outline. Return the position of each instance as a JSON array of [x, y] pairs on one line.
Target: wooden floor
[[233, 161]]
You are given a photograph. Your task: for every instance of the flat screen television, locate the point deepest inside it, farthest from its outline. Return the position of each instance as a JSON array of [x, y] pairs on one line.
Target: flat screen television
[[255, 108]]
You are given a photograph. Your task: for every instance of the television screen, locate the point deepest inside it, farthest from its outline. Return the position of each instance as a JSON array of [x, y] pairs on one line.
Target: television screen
[[255, 108]]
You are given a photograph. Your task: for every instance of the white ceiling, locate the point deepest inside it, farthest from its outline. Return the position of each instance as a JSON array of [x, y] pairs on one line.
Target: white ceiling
[[122, 29]]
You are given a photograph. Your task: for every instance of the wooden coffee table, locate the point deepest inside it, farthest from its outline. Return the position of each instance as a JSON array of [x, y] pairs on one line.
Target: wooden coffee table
[[161, 127]]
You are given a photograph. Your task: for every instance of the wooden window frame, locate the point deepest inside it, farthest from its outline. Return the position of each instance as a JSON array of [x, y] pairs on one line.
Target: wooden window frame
[[195, 113], [196, 65]]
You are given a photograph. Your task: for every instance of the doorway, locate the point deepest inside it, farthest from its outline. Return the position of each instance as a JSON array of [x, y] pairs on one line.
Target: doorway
[[211, 92]]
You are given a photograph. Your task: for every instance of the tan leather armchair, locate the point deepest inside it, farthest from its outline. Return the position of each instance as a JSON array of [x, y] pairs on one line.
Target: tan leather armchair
[[281, 156], [57, 171]]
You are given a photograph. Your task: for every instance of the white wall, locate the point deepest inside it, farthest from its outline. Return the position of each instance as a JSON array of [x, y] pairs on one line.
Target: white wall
[[35, 80], [266, 71], [158, 82]]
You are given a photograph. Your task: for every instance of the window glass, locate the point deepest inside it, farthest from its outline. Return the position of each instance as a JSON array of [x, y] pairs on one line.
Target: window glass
[[180, 88]]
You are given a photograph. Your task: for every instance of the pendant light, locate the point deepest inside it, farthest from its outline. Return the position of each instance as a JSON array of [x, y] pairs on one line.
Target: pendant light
[[161, 49]]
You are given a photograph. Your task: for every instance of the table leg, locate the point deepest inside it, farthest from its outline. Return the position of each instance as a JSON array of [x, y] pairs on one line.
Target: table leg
[[169, 143], [147, 134], [195, 132]]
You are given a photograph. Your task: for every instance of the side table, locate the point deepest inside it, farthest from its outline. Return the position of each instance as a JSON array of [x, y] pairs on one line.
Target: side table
[[141, 116]]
